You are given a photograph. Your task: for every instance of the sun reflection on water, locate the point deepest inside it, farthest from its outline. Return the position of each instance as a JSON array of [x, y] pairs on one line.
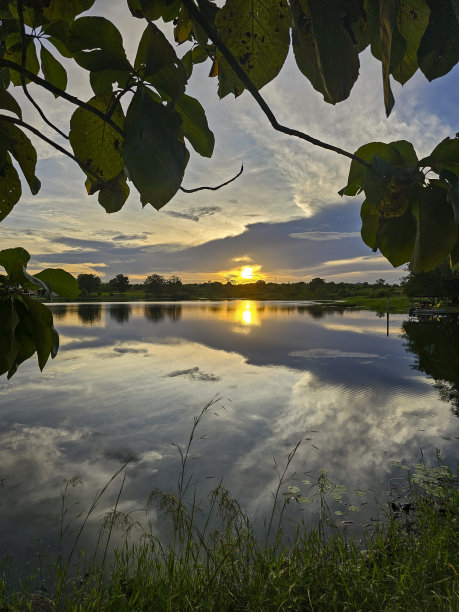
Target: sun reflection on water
[[247, 314]]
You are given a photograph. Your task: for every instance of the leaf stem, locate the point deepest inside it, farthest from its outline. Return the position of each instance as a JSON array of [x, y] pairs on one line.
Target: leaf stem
[[234, 64], [217, 187]]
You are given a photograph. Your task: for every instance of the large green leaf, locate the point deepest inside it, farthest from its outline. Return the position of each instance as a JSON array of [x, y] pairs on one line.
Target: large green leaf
[[53, 71], [8, 102], [113, 194], [257, 34], [438, 52], [94, 142], [60, 282], [157, 62], [14, 261], [436, 230], [412, 21], [323, 47], [35, 329], [102, 80], [392, 152], [66, 10], [195, 127], [155, 9], [445, 156], [97, 44], [370, 225], [396, 237], [9, 345], [154, 150], [386, 43], [10, 189], [20, 146], [15, 55]]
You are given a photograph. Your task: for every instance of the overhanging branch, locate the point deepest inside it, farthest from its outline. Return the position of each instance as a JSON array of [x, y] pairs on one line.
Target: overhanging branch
[[60, 92], [212, 33], [23, 78], [56, 146], [214, 188]]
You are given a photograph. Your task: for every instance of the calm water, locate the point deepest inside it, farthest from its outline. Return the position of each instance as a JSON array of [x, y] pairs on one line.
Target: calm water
[[129, 378]]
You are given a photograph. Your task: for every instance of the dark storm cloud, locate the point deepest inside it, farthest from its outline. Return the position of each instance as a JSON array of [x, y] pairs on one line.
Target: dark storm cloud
[[196, 213], [273, 246]]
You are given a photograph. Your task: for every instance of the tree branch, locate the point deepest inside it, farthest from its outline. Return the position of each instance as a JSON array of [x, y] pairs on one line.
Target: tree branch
[[23, 78], [214, 188], [240, 73], [63, 94], [56, 146]]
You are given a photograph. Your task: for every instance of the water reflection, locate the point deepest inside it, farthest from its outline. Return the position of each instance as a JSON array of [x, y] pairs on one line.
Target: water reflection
[[89, 313], [120, 312], [282, 373], [435, 343], [247, 313], [59, 311], [157, 312]]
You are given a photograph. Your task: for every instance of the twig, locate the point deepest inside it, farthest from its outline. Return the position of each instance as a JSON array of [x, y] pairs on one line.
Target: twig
[[214, 188], [240, 73], [25, 125], [60, 92], [23, 78]]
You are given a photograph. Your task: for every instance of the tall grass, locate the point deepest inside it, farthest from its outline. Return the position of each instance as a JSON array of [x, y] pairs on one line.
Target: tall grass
[[214, 561]]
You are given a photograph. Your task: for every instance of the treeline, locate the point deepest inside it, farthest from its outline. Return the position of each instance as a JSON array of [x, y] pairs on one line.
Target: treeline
[[156, 286]]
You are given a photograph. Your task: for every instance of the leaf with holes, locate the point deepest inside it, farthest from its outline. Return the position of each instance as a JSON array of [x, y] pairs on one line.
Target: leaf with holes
[[257, 34], [438, 52], [10, 189], [94, 142]]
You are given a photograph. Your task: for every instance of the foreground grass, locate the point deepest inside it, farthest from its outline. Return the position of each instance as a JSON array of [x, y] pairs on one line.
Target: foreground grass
[[409, 563], [408, 560]]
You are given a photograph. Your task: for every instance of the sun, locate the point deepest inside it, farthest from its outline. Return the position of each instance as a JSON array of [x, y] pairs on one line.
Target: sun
[[247, 273]]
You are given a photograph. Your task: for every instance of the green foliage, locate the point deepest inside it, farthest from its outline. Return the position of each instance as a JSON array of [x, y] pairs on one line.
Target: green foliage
[[139, 122], [406, 215], [120, 283], [88, 283], [26, 324], [214, 559]]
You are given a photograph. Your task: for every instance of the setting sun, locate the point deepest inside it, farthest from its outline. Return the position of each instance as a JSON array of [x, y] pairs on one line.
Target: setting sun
[[247, 273]]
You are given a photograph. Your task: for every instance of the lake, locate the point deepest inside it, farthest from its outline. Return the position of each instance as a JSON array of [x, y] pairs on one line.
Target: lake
[[130, 378]]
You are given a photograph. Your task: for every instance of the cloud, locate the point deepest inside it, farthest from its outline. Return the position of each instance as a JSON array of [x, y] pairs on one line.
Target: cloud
[[332, 354], [194, 374], [194, 214], [319, 236]]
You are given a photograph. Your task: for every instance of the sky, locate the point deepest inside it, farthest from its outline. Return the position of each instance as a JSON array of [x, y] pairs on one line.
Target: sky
[[282, 217]]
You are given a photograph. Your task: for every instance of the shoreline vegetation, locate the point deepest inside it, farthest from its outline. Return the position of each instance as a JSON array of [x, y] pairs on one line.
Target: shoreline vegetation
[[407, 558], [379, 296]]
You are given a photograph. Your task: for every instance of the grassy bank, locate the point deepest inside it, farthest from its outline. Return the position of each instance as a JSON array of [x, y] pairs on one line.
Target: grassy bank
[[407, 560], [397, 304]]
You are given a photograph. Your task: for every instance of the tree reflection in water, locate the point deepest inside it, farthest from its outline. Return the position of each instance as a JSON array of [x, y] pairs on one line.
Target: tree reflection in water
[[59, 311], [158, 312], [435, 343], [89, 313], [120, 312]]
